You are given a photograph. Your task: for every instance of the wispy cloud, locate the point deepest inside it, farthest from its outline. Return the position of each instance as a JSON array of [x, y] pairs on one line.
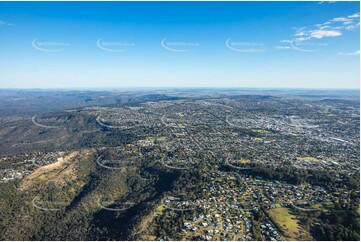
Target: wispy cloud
[[322, 2], [4, 23], [356, 15], [319, 33], [357, 52], [344, 20], [329, 29], [348, 23]]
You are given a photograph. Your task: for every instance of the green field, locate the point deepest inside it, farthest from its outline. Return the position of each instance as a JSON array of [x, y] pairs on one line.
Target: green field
[[287, 223], [306, 158], [243, 161], [261, 131]]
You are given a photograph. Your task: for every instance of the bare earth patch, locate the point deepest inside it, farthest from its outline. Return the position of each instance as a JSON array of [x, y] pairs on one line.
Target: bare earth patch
[[59, 172]]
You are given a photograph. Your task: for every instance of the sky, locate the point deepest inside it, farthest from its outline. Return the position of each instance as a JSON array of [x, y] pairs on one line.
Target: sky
[[179, 44]]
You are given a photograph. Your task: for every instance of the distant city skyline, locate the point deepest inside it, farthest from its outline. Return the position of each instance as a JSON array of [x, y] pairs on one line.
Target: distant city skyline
[[180, 44]]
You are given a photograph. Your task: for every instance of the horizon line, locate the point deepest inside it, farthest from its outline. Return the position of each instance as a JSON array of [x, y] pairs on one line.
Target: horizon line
[[178, 87]]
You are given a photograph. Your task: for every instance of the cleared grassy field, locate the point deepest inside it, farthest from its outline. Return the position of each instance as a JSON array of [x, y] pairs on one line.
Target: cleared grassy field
[[307, 158], [288, 224], [323, 206], [243, 161], [261, 131]]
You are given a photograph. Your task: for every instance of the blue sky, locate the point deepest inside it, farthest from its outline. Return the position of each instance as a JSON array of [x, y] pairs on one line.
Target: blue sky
[[179, 44]]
